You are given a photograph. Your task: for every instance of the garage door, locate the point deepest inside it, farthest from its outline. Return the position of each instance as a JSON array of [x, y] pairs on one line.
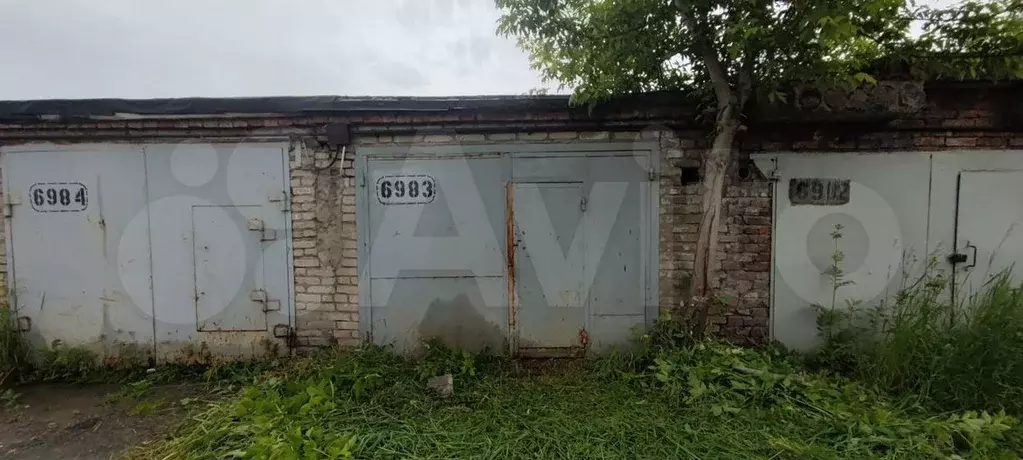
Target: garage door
[[543, 250], [69, 209], [175, 249]]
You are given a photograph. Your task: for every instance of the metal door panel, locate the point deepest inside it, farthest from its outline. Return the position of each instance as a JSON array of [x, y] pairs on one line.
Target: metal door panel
[[435, 265], [884, 224], [465, 312], [233, 186], [548, 169], [76, 275], [956, 199], [459, 228], [549, 259], [989, 228], [551, 224], [617, 224], [227, 296]]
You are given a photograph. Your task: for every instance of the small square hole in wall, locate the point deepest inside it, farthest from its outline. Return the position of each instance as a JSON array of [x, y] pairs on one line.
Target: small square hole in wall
[[746, 171], [690, 175]]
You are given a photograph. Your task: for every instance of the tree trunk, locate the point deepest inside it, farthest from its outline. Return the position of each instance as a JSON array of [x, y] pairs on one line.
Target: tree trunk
[[715, 168]]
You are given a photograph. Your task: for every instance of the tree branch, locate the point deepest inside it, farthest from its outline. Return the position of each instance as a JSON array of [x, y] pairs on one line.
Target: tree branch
[[705, 48], [745, 80]]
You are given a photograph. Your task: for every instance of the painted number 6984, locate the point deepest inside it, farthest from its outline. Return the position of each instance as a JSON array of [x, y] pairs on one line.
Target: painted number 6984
[[59, 197]]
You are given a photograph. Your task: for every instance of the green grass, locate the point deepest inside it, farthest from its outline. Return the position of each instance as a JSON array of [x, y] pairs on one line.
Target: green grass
[[962, 355], [147, 407], [700, 401]]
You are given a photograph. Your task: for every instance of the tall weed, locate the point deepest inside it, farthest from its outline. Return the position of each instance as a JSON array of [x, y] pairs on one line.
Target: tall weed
[[955, 354], [14, 353]]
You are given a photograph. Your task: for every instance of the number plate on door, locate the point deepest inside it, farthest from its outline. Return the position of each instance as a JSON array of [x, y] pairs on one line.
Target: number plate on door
[[821, 192], [59, 197], [406, 189]]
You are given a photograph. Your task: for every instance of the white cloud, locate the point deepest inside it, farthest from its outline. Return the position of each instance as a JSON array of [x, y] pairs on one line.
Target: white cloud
[[135, 49]]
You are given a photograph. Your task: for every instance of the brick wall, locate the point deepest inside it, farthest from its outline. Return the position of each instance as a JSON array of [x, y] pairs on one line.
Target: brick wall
[[324, 248], [323, 195], [329, 313], [326, 277], [744, 256]]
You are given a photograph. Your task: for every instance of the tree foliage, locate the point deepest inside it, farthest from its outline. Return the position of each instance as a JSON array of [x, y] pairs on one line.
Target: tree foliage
[[727, 51], [600, 48]]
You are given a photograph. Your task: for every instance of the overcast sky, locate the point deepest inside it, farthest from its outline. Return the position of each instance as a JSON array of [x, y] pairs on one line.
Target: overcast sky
[[176, 48]]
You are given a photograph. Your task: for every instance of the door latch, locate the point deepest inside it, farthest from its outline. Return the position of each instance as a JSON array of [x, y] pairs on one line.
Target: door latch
[[961, 257]]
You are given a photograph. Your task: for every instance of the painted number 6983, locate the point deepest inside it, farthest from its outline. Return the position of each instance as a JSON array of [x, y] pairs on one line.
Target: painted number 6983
[[406, 189]]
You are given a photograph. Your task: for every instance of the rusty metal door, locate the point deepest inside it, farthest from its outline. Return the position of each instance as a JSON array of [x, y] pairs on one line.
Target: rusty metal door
[[549, 251], [73, 275], [582, 224]]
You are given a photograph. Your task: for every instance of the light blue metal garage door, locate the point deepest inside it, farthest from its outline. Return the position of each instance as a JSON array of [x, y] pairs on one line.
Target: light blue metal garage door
[[543, 250], [172, 248]]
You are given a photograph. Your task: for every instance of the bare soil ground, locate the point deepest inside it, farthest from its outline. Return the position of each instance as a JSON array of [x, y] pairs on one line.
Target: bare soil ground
[[65, 422]]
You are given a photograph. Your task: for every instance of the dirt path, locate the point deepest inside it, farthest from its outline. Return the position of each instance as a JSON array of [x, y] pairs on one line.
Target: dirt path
[[64, 422]]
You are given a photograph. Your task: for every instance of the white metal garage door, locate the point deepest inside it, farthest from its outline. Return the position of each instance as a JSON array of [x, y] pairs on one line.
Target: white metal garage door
[[179, 249]]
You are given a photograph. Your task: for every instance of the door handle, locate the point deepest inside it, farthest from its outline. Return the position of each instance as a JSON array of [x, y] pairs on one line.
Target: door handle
[[973, 257]]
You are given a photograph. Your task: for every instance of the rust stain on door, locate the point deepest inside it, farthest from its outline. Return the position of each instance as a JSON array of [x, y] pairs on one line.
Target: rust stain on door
[[510, 247]]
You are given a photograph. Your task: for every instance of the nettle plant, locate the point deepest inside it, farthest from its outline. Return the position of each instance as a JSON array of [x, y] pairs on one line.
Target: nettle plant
[[726, 53]]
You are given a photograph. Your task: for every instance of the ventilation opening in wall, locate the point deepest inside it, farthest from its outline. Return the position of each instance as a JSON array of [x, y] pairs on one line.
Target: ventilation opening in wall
[[746, 171], [690, 175]]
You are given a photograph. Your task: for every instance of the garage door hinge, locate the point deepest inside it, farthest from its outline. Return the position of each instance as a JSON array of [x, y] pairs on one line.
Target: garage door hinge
[[256, 224], [13, 199], [281, 198], [582, 204], [259, 295]]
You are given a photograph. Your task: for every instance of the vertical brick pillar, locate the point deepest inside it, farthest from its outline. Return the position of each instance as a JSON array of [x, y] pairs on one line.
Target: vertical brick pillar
[[323, 223]]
